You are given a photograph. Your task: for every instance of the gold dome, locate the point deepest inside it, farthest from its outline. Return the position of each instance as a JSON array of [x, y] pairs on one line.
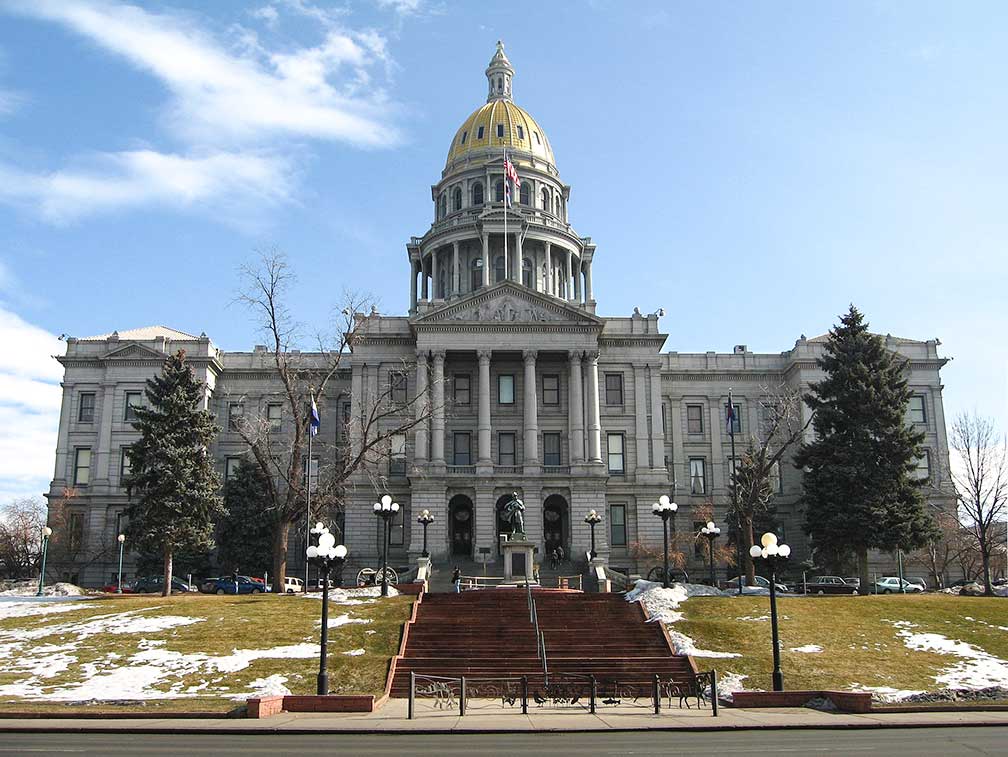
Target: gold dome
[[520, 132]]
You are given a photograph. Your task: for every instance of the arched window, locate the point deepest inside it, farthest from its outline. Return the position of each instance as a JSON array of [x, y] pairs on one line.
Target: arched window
[[477, 193], [561, 211], [476, 275], [525, 194], [527, 273], [546, 199], [500, 83], [457, 199], [442, 205], [498, 268], [499, 191]]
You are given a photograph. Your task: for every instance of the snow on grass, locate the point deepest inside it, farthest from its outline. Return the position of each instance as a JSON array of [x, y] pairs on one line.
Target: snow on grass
[[343, 620], [24, 607], [885, 694], [270, 686], [683, 644], [662, 605], [362, 595], [355, 652], [728, 683], [977, 669], [29, 589], [754, 618], [808, 649]]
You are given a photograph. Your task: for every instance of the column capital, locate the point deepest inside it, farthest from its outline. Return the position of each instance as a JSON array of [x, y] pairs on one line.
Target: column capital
[[421, 356], [484, 356], [530, 355], [592, 355], [575, 355], [438, 356]]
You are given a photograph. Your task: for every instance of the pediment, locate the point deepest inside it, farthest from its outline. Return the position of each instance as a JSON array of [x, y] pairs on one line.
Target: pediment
[[133, 351], [507, 302]]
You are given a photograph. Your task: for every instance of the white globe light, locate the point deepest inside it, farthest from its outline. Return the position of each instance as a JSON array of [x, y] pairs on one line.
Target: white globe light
[[703, 530], [768, 539], [655, 507], [331, 553], [771, 550], [426, 513], [325, 541], [386, 500], [121, 538], [710, 525], [319, 526], [673, 507], [395, 507], [47, 532], [340, 551], [755, 551], [717, 530], [377, 507], [663, 500], [784, 550], [312, 552], [763, 553]]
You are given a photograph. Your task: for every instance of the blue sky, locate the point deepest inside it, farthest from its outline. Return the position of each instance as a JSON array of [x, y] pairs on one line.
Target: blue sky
[[752, 167]]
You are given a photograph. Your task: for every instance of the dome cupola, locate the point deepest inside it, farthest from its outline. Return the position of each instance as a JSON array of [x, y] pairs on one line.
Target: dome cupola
[[499, 74]]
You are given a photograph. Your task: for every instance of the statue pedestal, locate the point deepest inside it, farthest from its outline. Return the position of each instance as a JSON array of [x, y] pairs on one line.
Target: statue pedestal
[[519, 554]]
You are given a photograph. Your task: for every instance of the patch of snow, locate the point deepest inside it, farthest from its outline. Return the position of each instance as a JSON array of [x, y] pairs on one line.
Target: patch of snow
[[23, 607], [355, 652], [29, 588], [361, 595], [683, 644], [885, 693], [754, 617], [660, 603], [343, 620], [808, 649], [728, 683], [270, 686], [977, 669]]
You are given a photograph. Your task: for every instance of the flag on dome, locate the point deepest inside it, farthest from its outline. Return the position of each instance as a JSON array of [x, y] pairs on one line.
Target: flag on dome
[[510, 177]]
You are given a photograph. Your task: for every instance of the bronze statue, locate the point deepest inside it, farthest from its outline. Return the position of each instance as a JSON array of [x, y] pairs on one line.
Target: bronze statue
[[514, 514]]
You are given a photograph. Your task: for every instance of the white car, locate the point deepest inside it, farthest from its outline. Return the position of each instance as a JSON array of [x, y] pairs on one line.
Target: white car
[[891, 585], [293, 585]]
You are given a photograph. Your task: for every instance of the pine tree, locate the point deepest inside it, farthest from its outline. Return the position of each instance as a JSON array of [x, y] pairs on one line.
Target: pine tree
[[172, 485], [859, 490], [246, 533]]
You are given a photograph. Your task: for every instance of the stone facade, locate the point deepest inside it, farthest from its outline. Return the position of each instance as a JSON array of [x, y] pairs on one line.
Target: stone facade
[[528, 389]]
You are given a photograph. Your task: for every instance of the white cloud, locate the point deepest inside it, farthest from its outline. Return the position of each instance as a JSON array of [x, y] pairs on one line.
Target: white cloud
[[266, 13], [9, 101]]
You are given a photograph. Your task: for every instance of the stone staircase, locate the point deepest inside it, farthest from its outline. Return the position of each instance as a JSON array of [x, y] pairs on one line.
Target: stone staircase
[[487, 634]]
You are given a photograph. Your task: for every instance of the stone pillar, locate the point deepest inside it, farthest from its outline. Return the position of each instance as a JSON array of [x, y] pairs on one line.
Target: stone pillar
[[531, 409], [680, 466], [589, 296], [640, 413], [486, 260], [594, 427], [549, 268], [437, 409], [100, 461], [63, 438], [413, 286], [657, 429], [353, 432], [518, 257], [423, 281], [576, 440], [456, 274], [569, 294], [577, 282], [420, 453], [435, 279], [483, 424]]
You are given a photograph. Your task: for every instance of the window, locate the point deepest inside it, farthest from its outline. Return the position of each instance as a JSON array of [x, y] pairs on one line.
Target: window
[[498, 268], [614, 445], [236, 411], [120, 522], [776, 483], [274, 414], [617, 525], [922, 471], [694, 419], [85, 408], [915, 410], [314, 470], [551, 390], [736, 426], [500, 127], [698, 542], [506, 448], [527, 272], [536, 135], [397, 455], [479, 133], [82, 466], [477, 193], [461, 389], [231, 467], [521, 132], [697, 475], [551, 448], [464, 135], [525, 194], [133, 401], [545, 197], [614, 388], [395, 529], [476, 275], [462, 448], [499, 191], [346, 413], [76, 529], [125, 466], [442, 205], [397, 387], [457, 199], [505, 389]]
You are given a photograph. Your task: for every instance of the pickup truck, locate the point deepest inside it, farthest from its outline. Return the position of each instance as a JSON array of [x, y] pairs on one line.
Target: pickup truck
[[828, 585]]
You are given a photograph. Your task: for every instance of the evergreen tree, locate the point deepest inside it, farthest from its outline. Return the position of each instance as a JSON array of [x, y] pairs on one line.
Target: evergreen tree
[[246, 533], [171, 472], [859, 490]]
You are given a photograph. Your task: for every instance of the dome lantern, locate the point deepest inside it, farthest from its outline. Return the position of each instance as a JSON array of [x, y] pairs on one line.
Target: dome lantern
[[499, 74]]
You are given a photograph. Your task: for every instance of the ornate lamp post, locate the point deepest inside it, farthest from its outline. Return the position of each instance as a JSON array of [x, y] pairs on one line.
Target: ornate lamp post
[[46, 533], [664, 509], [121, 539], [775, 554], [711, 532], [425, 520], [386, 510], [326, 555], [592, 519]]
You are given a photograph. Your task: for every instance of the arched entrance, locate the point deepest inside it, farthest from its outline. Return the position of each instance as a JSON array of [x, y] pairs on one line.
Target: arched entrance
[[460, 525], [556, 526]]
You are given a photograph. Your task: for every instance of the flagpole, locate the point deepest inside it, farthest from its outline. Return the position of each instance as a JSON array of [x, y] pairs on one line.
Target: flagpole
[[308, 490], [507, 269], [734, 488]]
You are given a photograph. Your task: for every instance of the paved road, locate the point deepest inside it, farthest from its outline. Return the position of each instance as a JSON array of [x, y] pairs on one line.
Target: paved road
[[891, 741]]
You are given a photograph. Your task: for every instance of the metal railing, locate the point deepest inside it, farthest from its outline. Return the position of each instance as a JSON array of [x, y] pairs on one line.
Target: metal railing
[[540, 639]]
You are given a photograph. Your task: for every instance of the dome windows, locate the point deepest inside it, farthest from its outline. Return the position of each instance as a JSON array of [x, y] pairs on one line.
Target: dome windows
[[463, 138], [536, 134], [527, 273], [499, 191], [479, 133], [500, 131], [442, 206], [457, 199], [546, 199], [498, 268], [521, 132], [477, 193], [525, 194], [476, 274]]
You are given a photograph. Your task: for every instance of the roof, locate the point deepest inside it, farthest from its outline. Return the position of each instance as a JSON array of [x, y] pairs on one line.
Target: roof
[[825, 338], [144, 333], [521, 133]]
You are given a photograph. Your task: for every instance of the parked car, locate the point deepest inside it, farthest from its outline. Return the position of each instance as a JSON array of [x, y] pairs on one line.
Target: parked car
[[891, 585], [293, 585], [852, 580], [113, 588], [829, 585], [760, 582], [155, 585], [919, 582], [228, 585]]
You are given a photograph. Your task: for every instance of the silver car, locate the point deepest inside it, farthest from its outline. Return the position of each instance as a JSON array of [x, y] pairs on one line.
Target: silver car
[[891, 585]]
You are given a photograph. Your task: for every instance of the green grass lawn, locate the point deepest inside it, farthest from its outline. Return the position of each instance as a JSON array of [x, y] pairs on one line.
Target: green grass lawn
[[229, 623], [860, 644]]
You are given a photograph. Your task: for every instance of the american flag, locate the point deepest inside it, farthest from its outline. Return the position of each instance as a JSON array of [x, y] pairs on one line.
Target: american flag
[[511, 177]]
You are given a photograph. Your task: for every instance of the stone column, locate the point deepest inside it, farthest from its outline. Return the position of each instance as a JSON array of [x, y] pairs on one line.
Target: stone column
[[456, 274], [420, 453], [63, 438], [353, 432], [486, 260], [423, 280], [589, 296], [680, 466], [434, 275], [657, 429], [640, 413], [549, 268], [100, 461], [577, 282], [437, 409], [413, 286], [531, 409], [570, 276], [576, 440], [483, 424], [594, 427], [518, 257]]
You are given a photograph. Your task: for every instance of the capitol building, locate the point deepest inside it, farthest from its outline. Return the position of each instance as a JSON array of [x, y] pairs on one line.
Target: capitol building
[[531, 389]]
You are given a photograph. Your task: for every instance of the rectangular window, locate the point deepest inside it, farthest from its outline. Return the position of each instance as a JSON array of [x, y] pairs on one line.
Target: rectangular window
[[614, 446], [82, 466], [85, 408], [521, 132], [551, 390], [274, 414], [462, 389], [462, 449], [500, 130], [397, 455], [776, 483], [922, 472], [916, 410], [346, 413], [236, 411], [397, 385], [614, 388], [697, 475], [551, 448], [505, 389], [479, 133], [506, 449], [694, 419], [736, 419], [231, 467], [125, 467], [120, 522], [76, 540], [617, 525], [133, 401], [464, 135], [396, 534]]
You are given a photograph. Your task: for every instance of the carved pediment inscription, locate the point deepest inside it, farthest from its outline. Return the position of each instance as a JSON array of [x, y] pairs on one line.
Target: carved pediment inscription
[[506, 309]]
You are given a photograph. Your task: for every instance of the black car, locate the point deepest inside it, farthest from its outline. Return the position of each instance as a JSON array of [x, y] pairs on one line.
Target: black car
[[155, 585]]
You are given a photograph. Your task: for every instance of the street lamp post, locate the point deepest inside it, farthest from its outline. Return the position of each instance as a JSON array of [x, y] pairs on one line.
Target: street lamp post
[[592, 519], [711, 532], [664, 509], [386, 510], [425, 519], [121, 539], [46, 533], [326, 555], [775, 554]]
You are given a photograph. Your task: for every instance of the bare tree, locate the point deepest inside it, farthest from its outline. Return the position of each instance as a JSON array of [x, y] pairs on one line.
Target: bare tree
[[946, 550], [281, 457], [981, 482], [21, 524], [755, 471]]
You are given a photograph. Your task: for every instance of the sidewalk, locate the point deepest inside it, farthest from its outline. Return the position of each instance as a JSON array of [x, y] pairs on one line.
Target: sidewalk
[[485, 716]]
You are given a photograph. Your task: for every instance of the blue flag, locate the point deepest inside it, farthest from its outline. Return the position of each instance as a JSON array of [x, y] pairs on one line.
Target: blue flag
[[315, 420]]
